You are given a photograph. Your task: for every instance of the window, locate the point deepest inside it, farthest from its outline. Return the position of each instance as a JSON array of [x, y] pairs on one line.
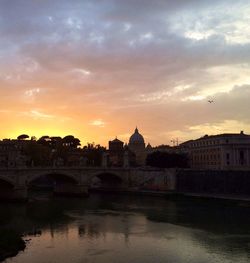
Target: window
[[242, 157], [165, 180]]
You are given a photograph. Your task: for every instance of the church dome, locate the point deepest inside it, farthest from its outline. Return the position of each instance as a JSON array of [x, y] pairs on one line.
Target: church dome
[[136, 138]]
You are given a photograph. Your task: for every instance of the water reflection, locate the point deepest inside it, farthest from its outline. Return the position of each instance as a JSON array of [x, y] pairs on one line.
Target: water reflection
[[130, 229]]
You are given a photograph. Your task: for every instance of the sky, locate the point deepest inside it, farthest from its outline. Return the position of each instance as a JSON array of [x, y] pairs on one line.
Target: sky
[[99, 68]]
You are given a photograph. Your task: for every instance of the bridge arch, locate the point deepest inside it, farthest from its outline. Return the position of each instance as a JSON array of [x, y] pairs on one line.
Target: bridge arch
[[7, 188], [6, 181], [108, 180], [56, 176]]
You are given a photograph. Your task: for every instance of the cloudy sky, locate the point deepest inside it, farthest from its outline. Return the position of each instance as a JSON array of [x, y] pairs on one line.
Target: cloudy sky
[[98, 68]]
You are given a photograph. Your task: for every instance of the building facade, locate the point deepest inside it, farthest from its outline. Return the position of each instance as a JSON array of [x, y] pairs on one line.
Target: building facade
[[11, 153], [116, 152], [219, 152]]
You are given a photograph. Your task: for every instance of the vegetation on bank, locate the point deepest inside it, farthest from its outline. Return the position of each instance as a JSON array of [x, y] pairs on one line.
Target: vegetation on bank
[[167, 160], [59, 151], [11, 243], [55, 150]]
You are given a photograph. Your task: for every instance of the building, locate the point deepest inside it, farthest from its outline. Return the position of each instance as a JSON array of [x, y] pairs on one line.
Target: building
[[136, 149], [11, 152], [116, 152], [229, 151], [137, 146]]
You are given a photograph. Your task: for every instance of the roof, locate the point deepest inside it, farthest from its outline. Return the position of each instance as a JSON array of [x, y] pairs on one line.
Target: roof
[[222, 135], [241, 135], [117, 140]]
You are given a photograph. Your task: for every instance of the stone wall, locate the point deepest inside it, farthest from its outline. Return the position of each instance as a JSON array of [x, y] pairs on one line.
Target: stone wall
[[213, 182]]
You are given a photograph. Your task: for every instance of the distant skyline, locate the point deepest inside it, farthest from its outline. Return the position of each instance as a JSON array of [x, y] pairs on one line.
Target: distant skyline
[[97, 69]]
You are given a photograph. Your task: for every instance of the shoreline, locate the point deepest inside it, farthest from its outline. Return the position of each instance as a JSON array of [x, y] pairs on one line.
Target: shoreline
[[173, 194], [10, 244]]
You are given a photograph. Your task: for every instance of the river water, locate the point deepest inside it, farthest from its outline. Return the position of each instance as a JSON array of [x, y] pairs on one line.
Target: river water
[[122, 229]]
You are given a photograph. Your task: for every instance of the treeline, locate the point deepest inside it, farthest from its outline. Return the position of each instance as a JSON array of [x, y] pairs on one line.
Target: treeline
[[167, 160], [68, 141], [60, 151], [67, 151]]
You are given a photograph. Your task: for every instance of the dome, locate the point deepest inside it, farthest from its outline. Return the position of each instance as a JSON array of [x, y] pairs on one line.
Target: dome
[[136, 138]]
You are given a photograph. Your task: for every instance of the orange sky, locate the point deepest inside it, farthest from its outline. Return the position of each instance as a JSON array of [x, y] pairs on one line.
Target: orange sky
[[97, 70]]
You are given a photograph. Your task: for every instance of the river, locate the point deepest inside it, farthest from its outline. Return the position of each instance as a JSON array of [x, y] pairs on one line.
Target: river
[[134, 229]]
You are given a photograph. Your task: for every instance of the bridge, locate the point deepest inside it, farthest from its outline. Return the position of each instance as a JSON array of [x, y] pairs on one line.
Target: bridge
[[14, 182]]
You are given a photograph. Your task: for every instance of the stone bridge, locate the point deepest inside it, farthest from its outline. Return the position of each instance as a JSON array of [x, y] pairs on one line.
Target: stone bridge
[[14, 182]]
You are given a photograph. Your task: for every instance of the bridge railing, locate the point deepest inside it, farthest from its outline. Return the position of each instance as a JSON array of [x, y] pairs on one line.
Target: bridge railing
[[59, 167]]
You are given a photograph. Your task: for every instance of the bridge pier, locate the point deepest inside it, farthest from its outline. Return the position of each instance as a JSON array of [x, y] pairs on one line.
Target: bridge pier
[[20, 193], [71, 190]]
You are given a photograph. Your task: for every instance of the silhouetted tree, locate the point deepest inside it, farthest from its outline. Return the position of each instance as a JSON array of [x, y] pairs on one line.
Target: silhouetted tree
[[76, 142], [46, 149], [71, 141], [23, 137], [38, 154], [44, 140], [93, 153], [167, 160], [55, 141]]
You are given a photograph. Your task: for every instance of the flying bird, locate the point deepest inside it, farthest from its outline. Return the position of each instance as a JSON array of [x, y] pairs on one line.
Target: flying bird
[[210, 101]]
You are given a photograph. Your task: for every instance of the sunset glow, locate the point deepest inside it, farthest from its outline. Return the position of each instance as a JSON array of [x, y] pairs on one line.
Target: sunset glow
[[98, 69]]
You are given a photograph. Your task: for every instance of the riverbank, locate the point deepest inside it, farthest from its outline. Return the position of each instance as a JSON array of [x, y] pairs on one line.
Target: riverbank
[[242, 200], [230, 199], [11, 243]]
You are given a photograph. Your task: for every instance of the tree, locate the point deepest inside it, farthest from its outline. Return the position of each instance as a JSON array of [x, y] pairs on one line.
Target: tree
[[44, 140], [76, 142], [38, 154], [23, 137], [71, 141], [55, 142], [167, 160], [94, 153]]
